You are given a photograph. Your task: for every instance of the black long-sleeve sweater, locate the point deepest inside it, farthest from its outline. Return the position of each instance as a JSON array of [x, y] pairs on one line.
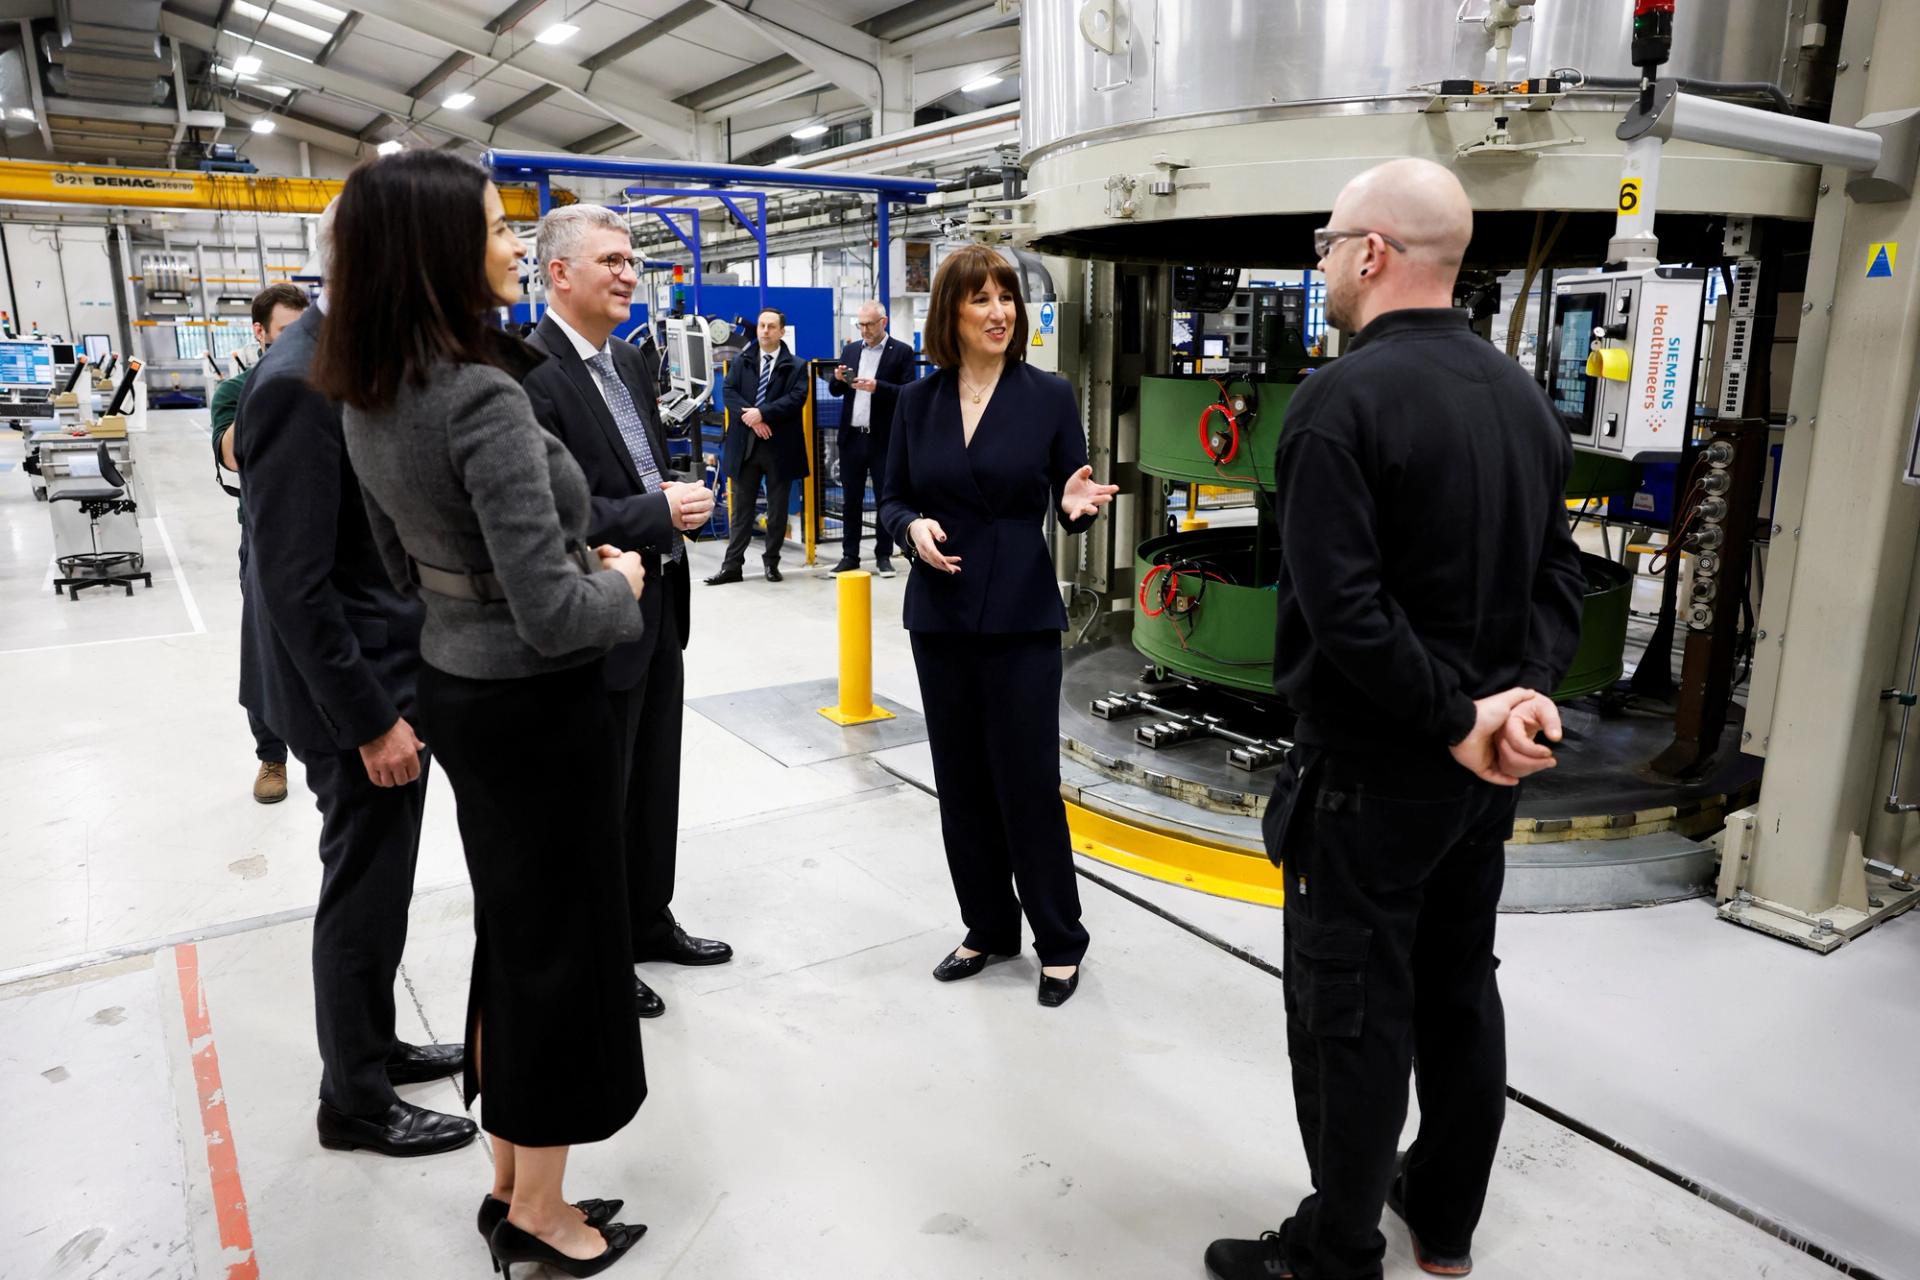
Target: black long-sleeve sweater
[[1426, 559]]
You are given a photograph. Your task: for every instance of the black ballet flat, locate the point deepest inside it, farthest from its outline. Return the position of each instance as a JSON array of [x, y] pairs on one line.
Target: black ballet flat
[[957, 966], [510, 1245], [1055, 992], [493, 1212]]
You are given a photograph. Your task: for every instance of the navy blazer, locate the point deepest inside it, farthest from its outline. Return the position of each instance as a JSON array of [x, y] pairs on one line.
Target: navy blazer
[[895, 372], [329, 650], [991, 497], [569, 405], [786, 397]]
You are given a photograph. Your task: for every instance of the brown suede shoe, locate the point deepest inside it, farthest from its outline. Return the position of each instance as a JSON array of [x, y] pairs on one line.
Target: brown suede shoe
[[270, 784]]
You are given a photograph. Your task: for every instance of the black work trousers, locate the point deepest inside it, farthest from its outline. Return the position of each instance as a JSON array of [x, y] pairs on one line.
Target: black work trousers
[[992, 704], [757, 467], [267, 746], [863, 454], [1393, 873], [369, 841], [648, 717]]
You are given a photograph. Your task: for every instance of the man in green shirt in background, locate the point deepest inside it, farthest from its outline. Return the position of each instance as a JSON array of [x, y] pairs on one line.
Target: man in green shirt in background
[[274, 308]]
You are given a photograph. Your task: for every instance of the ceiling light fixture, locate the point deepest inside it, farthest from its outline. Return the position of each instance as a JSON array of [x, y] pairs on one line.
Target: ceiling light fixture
[[458, 101], [246, 64], [390, 147], [983, 83], [557, 33], [805, 132], [263, 125]]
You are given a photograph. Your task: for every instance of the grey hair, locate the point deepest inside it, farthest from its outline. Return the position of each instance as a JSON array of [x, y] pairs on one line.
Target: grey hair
[[564, 230]]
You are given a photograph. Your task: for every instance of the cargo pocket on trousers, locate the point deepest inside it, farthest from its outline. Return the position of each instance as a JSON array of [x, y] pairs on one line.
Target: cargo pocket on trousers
[[1329, 964]]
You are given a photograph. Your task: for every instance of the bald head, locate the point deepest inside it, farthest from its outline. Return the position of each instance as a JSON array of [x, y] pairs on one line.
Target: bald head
[[1395, 241], [1417, 202]]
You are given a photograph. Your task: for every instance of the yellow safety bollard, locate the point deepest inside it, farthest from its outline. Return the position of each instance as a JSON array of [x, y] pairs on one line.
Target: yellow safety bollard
[[856, 653], [1193, 520]]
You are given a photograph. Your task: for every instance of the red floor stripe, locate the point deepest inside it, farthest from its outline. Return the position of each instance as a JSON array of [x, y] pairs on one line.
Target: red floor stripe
[[223, 1162]]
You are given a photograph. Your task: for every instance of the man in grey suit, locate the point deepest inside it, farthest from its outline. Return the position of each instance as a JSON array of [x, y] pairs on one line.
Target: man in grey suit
[[329, 651], [596, 396]]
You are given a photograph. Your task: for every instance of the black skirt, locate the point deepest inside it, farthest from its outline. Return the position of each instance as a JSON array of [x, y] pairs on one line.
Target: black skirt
[[534, 767]]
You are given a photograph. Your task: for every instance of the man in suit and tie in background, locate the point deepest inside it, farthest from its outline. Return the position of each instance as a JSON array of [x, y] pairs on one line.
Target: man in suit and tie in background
[[867, 380], [596, 396], [766, 390], [328, 655]]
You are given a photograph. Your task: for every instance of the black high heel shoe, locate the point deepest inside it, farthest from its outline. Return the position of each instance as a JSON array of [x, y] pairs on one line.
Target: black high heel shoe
[[957, 966], [510, 1245], [493, 1212]]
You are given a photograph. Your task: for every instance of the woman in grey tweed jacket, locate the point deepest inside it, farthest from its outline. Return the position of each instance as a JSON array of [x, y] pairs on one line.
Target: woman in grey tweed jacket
[[482, 513]]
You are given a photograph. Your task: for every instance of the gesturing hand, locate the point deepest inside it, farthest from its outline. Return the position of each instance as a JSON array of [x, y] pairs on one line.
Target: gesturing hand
[[927, 536], [1478, 752], [393, 758], [1083, 497]]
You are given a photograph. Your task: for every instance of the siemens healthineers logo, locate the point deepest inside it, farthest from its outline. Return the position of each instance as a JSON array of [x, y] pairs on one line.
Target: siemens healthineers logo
[[1662, 387]]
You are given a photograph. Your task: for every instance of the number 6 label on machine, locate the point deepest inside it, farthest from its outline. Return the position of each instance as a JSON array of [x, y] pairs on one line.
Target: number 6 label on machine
[[1629, 194]]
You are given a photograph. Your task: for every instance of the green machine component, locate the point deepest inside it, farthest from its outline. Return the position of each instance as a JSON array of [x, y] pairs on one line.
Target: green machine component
[[1176, 445], [1198, 615]]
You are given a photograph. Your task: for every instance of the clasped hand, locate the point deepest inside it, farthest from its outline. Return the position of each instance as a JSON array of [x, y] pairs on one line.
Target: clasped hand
[[756, 423], [1501, 747], [691, 504]]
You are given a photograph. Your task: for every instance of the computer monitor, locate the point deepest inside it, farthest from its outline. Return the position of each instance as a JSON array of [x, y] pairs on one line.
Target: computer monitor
[[63, 353], [98, 345], [26, 365]]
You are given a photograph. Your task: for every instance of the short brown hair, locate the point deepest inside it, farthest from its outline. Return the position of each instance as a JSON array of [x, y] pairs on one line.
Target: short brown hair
[[290, 296], [959, 278]]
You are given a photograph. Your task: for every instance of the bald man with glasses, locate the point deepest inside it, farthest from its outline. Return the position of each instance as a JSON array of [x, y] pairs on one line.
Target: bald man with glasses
[[868, 381], [1428, 599]]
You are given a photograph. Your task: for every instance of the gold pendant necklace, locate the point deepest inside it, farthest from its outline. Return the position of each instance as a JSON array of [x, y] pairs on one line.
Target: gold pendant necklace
[[977, 393]]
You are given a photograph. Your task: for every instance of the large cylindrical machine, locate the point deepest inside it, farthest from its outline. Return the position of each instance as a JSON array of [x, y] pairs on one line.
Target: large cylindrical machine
[[1244, 113], [1160, 134]]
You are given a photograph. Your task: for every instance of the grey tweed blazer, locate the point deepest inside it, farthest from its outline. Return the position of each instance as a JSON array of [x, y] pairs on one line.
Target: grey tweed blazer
[[459, 475]]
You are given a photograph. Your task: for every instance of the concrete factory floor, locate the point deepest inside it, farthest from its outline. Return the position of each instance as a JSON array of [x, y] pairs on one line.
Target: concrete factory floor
[[820, 1107]]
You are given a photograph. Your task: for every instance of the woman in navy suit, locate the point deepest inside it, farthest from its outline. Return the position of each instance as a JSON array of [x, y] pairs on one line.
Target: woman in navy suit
[[982, 451]]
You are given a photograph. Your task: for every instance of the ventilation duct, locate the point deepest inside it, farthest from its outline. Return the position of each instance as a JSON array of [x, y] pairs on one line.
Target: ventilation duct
[[108, 51]]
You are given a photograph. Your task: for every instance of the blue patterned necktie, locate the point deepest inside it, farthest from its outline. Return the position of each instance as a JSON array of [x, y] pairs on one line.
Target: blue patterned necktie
[[766, 376], [633, 430]]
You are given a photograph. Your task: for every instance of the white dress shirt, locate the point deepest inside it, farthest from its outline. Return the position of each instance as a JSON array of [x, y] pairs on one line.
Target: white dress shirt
[[863, 400], [585, 350]]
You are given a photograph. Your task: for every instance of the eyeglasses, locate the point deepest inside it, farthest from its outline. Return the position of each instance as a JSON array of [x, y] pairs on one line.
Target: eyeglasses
[[1325, 238], [615, 263]]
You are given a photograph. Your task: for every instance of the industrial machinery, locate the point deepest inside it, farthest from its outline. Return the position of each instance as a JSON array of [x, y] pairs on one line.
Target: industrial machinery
[[1182, 148], [689, 345]]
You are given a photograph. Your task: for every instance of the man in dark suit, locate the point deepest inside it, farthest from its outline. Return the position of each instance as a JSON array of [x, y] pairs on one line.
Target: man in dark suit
[[868, 381], [766, 390], [329, 652], [596, 396]]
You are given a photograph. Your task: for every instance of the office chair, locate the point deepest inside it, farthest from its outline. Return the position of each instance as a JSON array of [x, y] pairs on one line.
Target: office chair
[[97, 568]]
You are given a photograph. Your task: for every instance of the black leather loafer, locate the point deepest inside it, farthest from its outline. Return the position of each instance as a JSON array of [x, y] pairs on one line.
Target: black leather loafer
[[1261, 1259], [677, 947], [647, 1002], [419, 1063], [773, 573], [725, 576], [402, 1130], [1435, 1262], [1055, 992], [957, 966]]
